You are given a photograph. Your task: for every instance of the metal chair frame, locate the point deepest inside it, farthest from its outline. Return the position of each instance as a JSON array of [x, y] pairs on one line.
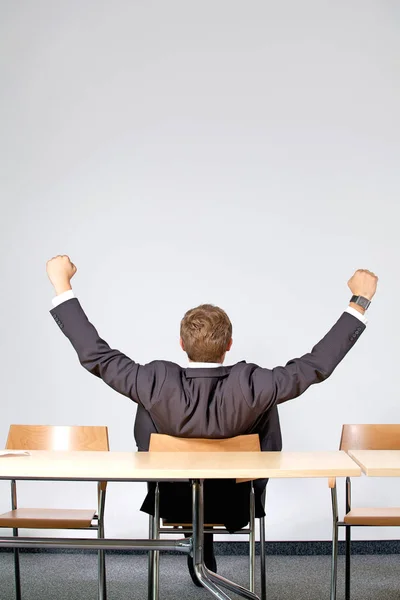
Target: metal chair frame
[[96, 525], [363, 437]]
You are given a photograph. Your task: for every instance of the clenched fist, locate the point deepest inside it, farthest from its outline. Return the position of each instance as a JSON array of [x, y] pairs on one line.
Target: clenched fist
[[363, 283], [60, 270]]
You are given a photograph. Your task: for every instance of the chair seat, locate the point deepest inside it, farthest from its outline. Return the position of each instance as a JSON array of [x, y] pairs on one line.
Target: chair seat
[[373, 516], [167, 523], [47, 518]]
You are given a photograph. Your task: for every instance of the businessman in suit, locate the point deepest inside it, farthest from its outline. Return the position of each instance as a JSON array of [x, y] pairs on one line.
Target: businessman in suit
[[207, 399]]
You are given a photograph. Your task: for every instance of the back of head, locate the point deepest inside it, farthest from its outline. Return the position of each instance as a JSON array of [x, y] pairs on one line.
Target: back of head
[[206, 332]]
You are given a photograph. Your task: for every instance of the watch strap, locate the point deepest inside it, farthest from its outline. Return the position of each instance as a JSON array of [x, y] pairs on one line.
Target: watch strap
[[360, 301]]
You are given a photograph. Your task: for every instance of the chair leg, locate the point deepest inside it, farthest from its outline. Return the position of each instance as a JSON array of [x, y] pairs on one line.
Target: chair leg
[[102, 575], [348, 559], [102, 585], [252, 541], [262, 560], [17, 573]]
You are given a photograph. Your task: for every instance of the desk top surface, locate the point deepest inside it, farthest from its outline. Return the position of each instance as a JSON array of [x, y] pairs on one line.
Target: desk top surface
[[378, 463], [146, 466]]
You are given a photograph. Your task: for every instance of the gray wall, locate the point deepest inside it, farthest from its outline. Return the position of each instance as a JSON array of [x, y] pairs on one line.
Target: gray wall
[[240, 153]]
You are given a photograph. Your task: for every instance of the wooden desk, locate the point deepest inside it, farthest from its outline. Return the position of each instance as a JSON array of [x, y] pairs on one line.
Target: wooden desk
[[157, 466], [378, 463], [175, 466]]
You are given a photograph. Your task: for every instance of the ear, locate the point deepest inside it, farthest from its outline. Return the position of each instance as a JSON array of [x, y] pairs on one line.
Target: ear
[[182, 344], [229, 345]]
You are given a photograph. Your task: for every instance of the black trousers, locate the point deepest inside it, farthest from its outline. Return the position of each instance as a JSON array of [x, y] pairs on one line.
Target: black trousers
[[225, 502]]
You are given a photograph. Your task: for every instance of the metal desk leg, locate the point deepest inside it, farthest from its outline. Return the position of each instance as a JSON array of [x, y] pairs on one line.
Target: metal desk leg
[[348, 541], [154, 555], [102, 585], [252, 542], [150, 561], [262, 560], [206, 577], [17, 573], [334, 542]]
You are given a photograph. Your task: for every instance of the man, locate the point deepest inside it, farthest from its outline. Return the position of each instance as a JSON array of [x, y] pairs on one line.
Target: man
[[207, 399]]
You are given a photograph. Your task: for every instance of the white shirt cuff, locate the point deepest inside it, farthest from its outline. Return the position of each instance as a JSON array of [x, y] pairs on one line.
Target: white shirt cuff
[[358, 315], [63, 298]]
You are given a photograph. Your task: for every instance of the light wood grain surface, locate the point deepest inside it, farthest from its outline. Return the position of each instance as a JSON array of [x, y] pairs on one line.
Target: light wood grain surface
[[144, 466], [160, 442], [382, 517], [47, 518], [241, 443], [56, 437], [370, 437], [378, 463]]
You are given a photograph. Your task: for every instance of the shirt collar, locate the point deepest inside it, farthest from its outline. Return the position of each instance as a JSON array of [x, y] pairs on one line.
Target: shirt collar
[[203, 365]]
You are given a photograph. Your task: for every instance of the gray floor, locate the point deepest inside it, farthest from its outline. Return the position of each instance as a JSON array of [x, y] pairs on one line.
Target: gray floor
[[73, 577]]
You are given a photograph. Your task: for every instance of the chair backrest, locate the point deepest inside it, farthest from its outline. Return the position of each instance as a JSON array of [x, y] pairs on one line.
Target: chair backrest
[[370, 437], [54, 437], [160, 442], [167, 443]]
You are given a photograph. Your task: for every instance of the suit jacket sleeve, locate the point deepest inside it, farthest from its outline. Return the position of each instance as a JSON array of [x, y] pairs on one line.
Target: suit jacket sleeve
[[269, 387], [139, 383]]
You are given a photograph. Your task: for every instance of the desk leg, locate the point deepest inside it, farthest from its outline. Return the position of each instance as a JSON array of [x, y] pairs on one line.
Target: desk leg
[[262, 560], [206, 577], [252, 542], [102, 585], [17, 573], [154, 555], [334, 542]]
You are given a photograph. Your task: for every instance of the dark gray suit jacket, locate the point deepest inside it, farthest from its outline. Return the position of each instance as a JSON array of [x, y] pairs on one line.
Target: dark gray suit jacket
[[219, 402]]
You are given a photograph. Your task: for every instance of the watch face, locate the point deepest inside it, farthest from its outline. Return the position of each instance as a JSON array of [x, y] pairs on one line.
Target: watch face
[[364, 302]]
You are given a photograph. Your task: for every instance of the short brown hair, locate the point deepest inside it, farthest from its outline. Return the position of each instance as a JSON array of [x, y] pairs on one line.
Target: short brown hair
[[206, 331]]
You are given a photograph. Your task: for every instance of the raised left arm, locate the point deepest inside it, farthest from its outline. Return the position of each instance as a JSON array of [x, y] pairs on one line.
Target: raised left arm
[[137, 382]]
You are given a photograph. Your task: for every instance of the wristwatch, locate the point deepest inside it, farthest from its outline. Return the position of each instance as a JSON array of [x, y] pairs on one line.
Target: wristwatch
[[361, 301]]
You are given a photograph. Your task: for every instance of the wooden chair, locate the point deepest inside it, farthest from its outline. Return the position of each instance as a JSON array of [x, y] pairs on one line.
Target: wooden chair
[[242, 443], [366, 437], [46, 437]]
